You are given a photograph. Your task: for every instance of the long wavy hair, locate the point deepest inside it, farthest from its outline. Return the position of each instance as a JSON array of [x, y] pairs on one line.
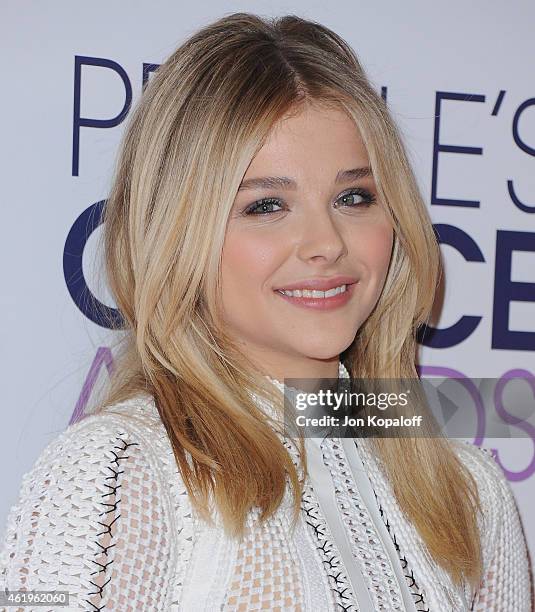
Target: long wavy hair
[[198, 124]]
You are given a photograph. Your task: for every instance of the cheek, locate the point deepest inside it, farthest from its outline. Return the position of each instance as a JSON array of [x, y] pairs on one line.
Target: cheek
[[247, 262], [374, 247]]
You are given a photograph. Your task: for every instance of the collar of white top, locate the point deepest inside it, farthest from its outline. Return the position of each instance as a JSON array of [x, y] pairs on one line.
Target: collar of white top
[[289, 392]]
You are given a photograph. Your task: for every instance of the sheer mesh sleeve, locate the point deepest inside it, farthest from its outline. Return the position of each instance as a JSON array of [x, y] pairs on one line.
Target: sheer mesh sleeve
[[91, 520], [507, 581]]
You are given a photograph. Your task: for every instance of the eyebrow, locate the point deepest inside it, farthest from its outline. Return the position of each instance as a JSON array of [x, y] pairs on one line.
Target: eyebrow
[[283, 182]]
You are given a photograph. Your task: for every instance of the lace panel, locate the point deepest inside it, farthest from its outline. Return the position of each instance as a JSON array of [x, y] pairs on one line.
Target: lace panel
[[266, 575]]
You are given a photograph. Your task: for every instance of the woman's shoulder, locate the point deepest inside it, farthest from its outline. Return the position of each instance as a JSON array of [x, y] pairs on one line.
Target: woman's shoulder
[[495, 494], [493, 486], [121, 447], [126, 433], [93, 486], [499, 521], [478, 459], [83, 447], [123, 441], [506, 584]]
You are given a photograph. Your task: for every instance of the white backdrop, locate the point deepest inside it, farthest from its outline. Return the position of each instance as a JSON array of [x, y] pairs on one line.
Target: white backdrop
[[475, 164]]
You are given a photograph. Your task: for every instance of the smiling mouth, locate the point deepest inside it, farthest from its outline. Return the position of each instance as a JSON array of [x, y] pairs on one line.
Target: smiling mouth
[[314, 293], [319, 300]]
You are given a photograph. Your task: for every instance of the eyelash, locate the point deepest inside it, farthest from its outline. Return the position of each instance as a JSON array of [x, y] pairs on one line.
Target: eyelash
[[369, 199]]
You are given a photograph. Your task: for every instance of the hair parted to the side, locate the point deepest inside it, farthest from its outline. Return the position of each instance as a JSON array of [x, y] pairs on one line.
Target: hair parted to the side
[[204, 115]]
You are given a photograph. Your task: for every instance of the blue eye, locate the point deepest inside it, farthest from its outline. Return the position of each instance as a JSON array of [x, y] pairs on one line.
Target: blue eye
[[368, 197], [265, 206]]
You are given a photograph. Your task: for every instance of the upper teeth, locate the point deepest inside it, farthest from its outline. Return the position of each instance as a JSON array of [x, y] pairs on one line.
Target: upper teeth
[[313, 293]]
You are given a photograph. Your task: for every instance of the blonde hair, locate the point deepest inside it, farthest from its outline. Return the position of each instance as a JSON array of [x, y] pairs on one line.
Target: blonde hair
[[205, 114]]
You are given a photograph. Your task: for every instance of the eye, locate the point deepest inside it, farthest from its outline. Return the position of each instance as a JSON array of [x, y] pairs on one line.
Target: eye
[[366, 196], [265, 205], [262, 207]]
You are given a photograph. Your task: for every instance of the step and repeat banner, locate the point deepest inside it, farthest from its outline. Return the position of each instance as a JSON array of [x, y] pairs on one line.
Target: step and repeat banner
[[458, 79]]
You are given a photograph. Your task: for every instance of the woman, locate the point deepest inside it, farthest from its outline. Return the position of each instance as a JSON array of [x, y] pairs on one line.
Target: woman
[[258, 165]]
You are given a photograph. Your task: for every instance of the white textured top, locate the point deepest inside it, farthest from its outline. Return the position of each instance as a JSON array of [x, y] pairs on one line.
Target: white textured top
[[104, 515], [324, 485]]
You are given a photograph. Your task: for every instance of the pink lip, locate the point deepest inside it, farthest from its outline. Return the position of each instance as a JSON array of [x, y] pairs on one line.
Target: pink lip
[[330, 303], [320, 284]]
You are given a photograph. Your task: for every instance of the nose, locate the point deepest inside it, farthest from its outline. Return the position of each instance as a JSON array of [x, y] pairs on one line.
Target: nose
[[321, 237]]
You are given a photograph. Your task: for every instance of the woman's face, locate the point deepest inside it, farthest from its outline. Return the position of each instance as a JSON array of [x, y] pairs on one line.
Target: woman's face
[[309, 227]]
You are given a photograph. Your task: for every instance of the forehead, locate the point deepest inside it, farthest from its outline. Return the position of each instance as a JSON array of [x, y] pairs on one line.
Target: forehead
[[316, 137]]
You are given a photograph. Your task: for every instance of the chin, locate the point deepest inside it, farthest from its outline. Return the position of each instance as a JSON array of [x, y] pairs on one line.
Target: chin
[[325, 352], [328, 346]]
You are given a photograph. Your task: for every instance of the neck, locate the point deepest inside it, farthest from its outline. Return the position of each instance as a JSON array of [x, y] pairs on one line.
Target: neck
[[279, 369]]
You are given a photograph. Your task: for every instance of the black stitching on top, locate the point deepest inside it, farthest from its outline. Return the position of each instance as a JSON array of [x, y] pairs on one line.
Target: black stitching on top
[[108, 507], [417, 595], [336, 576], [105, 548], [103, 567]]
